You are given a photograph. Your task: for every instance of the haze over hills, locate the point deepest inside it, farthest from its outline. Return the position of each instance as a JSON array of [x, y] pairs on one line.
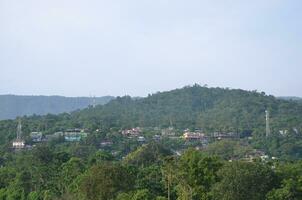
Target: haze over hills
[[12, 106]]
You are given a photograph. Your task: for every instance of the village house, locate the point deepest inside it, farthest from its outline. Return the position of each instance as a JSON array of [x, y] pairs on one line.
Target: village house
[[168, 132], [134, 132], [74, 135], [220, 136], [141, 139], [193, 135], [156, 137], [36, 136], [106, 143], [18, 144]]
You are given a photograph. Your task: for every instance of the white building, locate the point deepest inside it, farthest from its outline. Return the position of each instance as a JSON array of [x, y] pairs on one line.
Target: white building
[[18, 144]]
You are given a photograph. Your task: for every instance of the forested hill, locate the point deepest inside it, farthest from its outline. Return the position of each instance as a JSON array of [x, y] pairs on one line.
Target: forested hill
[[106, 165], [213, 109], [12, 106]]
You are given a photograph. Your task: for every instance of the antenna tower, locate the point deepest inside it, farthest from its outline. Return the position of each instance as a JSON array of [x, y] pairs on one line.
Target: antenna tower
[[171, 124], [19, 130], [267, 130], [93, 102]]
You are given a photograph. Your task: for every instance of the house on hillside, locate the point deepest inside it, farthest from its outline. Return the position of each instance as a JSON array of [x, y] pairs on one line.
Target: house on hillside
[[74, 135], [141, 139], [54, 136], [220, 136], [70, 135], [106, 143], [196, 136], [156, 137], [18, 144], [134, 132], [167, 132], [193, 135], [36, 136]]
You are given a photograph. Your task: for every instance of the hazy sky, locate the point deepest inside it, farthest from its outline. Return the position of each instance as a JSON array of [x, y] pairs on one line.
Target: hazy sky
[[136, 47]]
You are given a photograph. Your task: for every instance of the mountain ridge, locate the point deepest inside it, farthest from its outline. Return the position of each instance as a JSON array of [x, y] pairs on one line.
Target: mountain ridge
[[12, 106]]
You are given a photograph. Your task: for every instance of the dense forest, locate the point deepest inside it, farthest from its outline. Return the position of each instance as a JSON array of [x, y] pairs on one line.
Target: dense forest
[[12, 106], [108, 165], [78, 171]]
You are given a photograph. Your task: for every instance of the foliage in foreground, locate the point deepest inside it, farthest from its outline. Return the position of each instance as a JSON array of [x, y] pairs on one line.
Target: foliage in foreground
[[53, 173]]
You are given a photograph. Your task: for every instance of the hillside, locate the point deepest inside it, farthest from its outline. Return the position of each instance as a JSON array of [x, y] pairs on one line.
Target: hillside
[[194, 107], [12, 106], [109, 165], [213, 109], [209, 109]]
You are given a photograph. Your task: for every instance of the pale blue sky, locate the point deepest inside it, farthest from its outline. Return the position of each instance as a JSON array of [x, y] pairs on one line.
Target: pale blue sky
[[136, 47]]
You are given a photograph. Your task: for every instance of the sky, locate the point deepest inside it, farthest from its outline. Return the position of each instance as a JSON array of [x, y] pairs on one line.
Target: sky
[[138, 47]]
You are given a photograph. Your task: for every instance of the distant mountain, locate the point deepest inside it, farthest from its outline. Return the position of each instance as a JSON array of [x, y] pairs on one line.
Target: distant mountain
[[12, 106]]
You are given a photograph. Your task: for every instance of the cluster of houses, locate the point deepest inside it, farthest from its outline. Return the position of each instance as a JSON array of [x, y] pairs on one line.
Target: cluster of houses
[[195, 136], [170, 132], [199, 135], [75, 135], [137, 133], [258, 154], [70, 135]]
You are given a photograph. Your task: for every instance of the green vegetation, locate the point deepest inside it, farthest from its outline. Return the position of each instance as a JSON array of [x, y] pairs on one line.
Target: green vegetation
[[55, 173], [111, 166], [209, 109]]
